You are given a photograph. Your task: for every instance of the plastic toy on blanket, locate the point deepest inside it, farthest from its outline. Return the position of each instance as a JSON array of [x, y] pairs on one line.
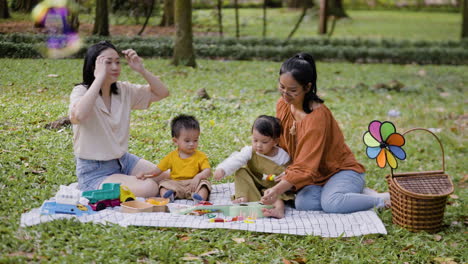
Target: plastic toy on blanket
[[66, 201], [249, 209]]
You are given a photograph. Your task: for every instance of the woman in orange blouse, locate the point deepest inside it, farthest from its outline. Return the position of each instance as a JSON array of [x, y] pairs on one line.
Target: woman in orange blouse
[[324, 172]]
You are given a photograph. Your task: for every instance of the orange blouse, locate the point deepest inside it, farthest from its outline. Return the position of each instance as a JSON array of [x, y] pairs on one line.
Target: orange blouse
[[316, 146]]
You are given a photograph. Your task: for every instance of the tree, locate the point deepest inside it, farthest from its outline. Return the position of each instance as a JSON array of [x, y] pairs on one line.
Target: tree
[[73, 20], [101, 21], [335, 8], [464, 9], [184, 53], [236, 11], [323, 17], [24, 5], [219, 6], [168, 14], [4, 13]]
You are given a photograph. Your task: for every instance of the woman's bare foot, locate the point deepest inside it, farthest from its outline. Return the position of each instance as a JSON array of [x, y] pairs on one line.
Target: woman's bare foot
[[276, 212], [273, 212], [239, 200]]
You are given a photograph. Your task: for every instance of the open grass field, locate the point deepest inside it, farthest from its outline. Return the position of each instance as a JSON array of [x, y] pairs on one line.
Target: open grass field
[[34, 161], [410, 25]]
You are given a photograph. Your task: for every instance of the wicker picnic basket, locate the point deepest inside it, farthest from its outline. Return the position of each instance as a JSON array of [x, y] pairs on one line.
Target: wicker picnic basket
[[418, 198]]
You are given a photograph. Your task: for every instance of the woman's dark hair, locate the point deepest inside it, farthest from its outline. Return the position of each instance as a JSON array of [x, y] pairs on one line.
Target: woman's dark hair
[[268, 126], [90, 63], [183, 122], [302, 67]]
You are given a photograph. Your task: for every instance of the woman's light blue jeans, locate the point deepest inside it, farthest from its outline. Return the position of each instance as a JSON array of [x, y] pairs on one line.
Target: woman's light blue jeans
[[341, 194]]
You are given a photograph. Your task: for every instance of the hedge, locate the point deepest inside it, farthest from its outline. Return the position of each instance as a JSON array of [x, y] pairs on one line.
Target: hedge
[[353, 50]]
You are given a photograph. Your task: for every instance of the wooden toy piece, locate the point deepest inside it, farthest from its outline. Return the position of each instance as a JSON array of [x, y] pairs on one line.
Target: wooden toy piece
[[245, 209], [136, 207], [141, 207]]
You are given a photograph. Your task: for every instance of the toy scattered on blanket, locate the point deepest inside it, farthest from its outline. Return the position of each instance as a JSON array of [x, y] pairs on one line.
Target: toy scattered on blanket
[[67, 201], [269, 177], [110, 195], [240, 218], [250, 209]]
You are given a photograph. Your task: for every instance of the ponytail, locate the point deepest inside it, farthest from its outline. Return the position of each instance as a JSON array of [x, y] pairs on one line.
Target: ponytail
[[302, 68]]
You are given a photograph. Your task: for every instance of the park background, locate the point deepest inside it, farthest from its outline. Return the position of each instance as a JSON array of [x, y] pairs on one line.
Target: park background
[[402, 61]]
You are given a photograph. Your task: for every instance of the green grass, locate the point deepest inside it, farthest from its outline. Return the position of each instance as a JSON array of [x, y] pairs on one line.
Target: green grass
[[432, 26], [35, 161], [363, 24]]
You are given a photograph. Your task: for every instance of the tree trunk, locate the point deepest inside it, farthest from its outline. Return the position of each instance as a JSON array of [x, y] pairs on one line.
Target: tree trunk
[[335, 8], [464, 9], [184, 53], [4, 9], [101, 21], [73, 20], [148, 15], [168, 14], [323, 17], [296, 26], [220, 16], [236, 10], [25, 5], [264, 18], [297, 3]]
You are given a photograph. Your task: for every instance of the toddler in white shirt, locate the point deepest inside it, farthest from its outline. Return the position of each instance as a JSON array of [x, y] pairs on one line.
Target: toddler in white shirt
[[259, 166]]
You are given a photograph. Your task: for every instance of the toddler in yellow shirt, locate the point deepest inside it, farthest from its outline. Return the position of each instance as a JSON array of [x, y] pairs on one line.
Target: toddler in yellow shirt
[[189, 167]]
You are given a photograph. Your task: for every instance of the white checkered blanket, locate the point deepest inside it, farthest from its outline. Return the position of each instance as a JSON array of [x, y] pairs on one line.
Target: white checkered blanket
[[295, 222]]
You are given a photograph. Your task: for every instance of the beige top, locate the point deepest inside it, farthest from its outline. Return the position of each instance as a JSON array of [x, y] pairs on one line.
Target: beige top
[[104, 135]]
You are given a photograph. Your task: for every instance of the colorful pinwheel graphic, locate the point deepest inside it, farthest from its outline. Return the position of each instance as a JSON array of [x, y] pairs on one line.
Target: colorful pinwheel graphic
[[384, 144]]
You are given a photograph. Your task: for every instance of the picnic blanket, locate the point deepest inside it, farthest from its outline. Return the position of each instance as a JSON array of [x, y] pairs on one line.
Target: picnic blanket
[[295, 222]]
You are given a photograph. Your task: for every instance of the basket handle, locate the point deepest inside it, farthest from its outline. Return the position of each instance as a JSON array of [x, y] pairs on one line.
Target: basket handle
[[441, 148]]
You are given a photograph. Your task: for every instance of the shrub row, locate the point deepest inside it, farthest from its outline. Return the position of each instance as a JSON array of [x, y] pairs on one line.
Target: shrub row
[[255, 41], [430, 55]]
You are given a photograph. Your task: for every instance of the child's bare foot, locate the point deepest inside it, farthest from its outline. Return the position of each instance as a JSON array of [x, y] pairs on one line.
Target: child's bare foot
[[273, 212], [240, 200]]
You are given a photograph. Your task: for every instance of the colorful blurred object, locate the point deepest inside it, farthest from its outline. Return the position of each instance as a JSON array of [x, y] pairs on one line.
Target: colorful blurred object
[[384, 144], [52, 15]]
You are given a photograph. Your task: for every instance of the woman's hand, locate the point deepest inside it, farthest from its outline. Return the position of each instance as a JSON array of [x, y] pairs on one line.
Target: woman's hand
[[270, 196], [102, 67], [279, 177], [134, 61], [219, 174]]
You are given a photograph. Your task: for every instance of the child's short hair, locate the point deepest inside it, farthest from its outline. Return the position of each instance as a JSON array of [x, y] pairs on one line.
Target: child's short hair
[[269, 126], [183, 122]]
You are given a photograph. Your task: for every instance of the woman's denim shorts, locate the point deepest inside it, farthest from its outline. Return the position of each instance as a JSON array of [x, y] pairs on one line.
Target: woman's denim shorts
[[91, 173]]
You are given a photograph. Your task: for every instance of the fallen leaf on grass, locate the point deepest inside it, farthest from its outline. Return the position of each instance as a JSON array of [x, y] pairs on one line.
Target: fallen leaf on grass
[[437, 237], [445, 260], [285, 261], [53, 75], [368, 241], [300, 260], [454, 196], [209, 253], [185, 238], [239, 240], [407, 247], [189, 256]]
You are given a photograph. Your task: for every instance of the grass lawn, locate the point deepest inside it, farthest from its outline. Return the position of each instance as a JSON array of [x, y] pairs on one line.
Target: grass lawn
[[431, 26], [34, 161], [362, 23]]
